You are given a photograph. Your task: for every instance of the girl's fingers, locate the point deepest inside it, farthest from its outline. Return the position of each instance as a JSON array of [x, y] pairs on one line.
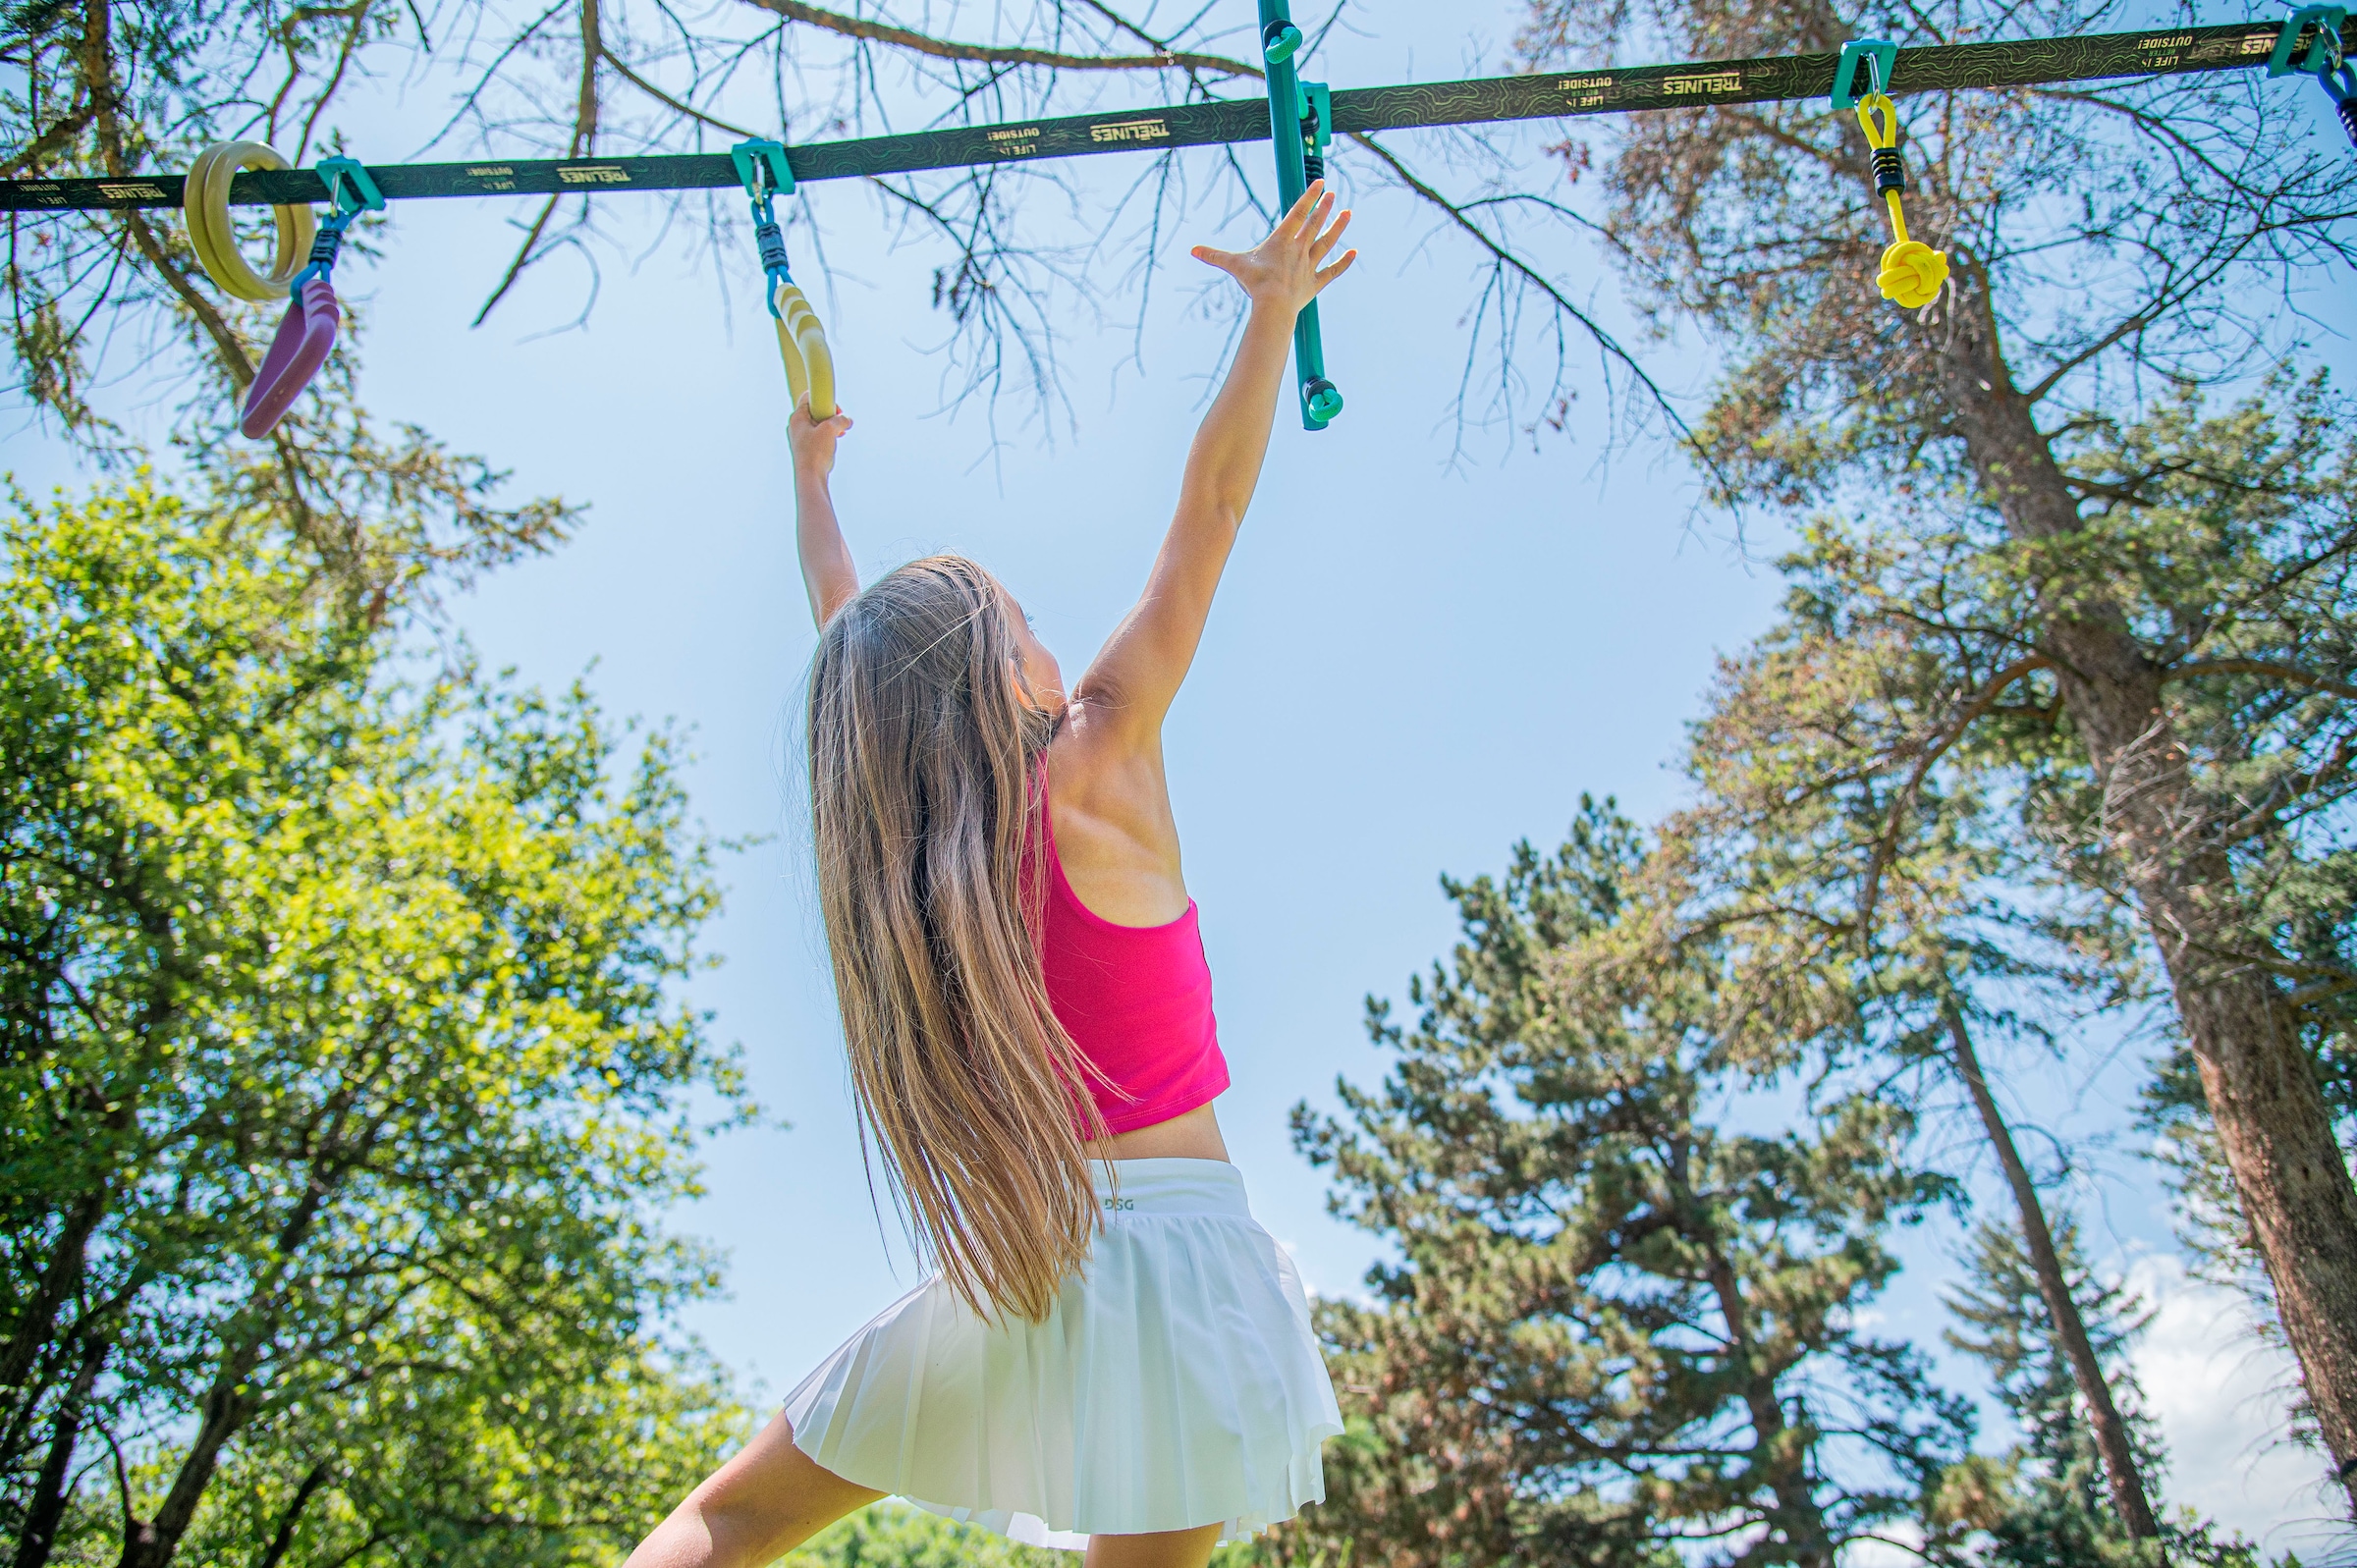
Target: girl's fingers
[[1326, 242], [1292, 223], [1311, 224]]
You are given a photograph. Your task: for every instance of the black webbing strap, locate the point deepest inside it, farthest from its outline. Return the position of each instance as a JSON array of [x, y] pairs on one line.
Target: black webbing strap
[[1938, 68]]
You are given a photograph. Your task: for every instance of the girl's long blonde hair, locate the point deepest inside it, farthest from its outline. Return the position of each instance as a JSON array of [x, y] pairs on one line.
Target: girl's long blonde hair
[[925, 756]]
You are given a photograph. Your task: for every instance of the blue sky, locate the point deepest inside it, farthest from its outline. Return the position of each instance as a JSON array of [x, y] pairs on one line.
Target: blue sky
[[1426, 649]]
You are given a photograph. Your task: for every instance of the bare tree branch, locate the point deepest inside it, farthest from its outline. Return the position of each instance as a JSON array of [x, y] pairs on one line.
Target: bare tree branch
[[523, 258], [1520, 268], [2264, 667], [1888, 843], [989, 54], [623, 69]]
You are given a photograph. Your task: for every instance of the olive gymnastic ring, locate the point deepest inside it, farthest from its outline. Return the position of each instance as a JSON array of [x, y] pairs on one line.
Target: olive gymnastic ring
[[205, 202]]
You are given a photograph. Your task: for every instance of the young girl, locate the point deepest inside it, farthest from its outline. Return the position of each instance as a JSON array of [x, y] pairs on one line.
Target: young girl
[[1113, 1357]]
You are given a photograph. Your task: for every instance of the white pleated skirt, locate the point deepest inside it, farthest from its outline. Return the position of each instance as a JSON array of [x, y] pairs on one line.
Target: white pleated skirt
[[1176, 1384]]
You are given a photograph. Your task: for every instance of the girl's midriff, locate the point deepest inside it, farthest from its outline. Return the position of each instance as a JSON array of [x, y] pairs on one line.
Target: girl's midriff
[[1189, 1135]]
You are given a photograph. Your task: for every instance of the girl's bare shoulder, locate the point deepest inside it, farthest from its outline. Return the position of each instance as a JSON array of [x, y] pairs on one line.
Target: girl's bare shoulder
[[1113, 829]]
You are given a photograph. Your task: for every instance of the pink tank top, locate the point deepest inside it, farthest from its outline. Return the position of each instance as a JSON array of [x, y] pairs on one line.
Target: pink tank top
[[1136, 1000]]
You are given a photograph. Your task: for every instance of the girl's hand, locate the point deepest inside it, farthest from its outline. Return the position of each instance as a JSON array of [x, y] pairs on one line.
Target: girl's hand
[[1284, 272], [813, 440]]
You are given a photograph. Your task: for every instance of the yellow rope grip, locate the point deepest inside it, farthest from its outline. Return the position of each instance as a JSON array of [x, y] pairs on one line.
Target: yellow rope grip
[[205, 202], [1912, 271], [803, 344]]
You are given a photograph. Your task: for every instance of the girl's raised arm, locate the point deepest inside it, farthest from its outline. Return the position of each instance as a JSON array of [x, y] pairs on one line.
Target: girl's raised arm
[[1131, 683], [827, 573]]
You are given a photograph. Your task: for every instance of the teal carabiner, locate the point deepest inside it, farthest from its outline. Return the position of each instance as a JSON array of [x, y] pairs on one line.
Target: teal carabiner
[[761, 163], [351, 191]]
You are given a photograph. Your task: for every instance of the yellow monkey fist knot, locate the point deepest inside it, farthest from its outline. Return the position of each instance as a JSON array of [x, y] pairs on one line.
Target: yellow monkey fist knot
[[1912, 273]]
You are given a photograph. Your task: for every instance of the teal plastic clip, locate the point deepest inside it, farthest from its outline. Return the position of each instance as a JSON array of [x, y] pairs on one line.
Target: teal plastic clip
[[1880, 57], [2323, 55], [1317, 103], [349, 189], [754, 158]]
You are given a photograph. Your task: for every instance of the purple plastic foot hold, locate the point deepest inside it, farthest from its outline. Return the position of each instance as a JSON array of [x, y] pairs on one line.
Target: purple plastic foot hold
[[304, 339]]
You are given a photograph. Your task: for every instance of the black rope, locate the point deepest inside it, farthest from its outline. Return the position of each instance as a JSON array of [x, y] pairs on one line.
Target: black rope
[[326, 246], [1889, 172], [771, 240], [1556, 94]]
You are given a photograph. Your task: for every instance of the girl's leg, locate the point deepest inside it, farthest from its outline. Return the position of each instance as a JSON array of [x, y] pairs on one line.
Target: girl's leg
[[764, 1502], [1174, 1549]]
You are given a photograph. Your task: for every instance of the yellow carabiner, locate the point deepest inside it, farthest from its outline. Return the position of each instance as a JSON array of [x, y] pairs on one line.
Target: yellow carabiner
[[205, 203], [1911, 271]]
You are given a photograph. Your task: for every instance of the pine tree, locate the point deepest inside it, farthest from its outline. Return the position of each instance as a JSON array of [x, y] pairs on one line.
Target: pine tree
[[2059, 1513], [1622, 1326], [2151, 598]]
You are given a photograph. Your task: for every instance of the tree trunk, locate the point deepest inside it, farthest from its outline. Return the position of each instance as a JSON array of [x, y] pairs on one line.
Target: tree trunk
[[229, 1403], [2071, 1329], [34, 1326], [292, 1516], [1779, 1455], [47, 1509], [223, 1414], [2262, 1088]]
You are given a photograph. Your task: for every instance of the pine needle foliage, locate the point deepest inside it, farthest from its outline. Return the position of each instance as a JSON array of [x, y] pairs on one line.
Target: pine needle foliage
[[1622, 1328]]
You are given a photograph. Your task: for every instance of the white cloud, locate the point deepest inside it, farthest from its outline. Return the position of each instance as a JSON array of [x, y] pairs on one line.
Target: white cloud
[[2221, 1399]]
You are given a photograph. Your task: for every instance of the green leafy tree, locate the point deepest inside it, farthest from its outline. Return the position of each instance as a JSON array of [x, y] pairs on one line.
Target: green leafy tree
[[341, 1072], [565, 1458], [892, 1534], [1619, 1330]]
